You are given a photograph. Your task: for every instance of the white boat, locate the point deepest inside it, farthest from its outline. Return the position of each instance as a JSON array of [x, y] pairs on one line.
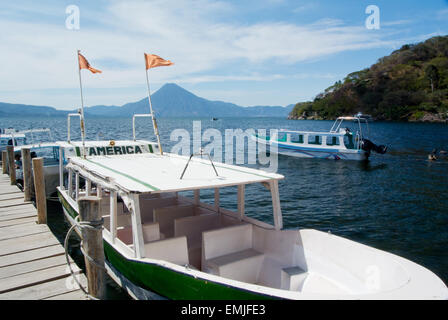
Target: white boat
[[160, 243], [338, 143], [13, 137], [361, 115], [53, 164]]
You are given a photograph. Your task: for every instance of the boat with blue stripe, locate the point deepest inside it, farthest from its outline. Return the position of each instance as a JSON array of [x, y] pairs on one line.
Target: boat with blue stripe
[[339, 143]]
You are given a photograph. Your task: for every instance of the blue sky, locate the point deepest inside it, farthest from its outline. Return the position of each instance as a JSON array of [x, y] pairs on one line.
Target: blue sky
[[263, 52]]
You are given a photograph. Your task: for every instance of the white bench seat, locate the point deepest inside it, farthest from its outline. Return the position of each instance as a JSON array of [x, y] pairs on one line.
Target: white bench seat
[[242, 265], [229, 252], [173, 250]]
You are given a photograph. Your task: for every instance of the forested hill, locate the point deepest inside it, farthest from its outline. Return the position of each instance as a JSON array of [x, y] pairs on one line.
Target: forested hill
[[411, 84]]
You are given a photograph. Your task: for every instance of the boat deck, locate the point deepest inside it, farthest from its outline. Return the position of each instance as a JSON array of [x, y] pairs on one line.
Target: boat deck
[[32, 260]]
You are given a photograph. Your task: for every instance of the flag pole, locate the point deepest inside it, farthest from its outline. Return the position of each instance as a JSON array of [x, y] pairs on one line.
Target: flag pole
[[83, 153], [154, 122]]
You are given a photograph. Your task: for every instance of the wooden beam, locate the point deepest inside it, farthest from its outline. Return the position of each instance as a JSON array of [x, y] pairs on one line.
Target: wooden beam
[[11, 164], [39, 189], [27, 175], [4, 162], [89, 211]]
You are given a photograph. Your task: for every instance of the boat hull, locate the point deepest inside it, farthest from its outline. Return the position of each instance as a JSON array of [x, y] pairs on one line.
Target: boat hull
[[145, 280], [157, 279], [311, 152]]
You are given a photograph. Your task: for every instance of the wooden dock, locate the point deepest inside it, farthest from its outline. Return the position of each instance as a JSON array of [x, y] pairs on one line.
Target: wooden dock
[[32, 260]]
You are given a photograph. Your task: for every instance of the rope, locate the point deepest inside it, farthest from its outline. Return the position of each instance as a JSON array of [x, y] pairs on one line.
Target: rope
[[96, 225]]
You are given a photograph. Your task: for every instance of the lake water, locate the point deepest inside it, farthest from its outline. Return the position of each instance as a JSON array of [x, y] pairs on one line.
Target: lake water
[[397, 202]]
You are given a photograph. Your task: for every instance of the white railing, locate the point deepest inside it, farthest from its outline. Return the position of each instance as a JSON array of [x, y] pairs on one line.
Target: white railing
[[147, 115], [68, 123]]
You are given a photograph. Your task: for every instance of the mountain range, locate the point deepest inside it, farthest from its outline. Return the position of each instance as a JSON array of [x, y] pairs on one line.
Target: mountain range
[[170, 100]]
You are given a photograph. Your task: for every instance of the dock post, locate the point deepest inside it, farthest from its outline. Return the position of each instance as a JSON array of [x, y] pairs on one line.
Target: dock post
[[11, 164], [92, 244], [27, 177], [39, 190], [4, 162]]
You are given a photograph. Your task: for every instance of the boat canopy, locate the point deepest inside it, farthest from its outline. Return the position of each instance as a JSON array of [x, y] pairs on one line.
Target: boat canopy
[[155, 173], [351, 118]]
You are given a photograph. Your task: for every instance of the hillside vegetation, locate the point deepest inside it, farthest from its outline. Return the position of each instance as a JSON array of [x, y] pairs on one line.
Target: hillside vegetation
[[411, 84]]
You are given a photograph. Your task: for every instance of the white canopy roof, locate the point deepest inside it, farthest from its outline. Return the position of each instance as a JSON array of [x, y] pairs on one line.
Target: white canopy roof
[[96, 143], [153, 173]]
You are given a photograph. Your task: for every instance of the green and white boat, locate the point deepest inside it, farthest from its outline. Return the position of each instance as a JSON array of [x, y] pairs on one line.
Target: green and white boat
[[160, 243]]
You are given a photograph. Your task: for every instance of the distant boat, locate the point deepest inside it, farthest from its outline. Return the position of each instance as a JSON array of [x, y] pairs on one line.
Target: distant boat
[[214, 119], [13, 137], [338, 143], [360, 115]]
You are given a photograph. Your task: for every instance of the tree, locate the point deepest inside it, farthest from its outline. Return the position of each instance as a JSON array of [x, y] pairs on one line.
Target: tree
[[432, 74]]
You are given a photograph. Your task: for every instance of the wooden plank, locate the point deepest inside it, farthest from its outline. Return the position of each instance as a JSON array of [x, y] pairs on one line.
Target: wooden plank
[[31, 255], [11, 195], [36, 277], [31, 266], [17, 221], [19, 208], [44, 290], [73, 295], [27, 214], [19, 231], [27, 243], [8, 189], [12, 202]]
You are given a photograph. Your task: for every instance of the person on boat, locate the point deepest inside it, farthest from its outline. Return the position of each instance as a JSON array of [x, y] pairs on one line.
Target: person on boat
[[18, 162], [432, 155]]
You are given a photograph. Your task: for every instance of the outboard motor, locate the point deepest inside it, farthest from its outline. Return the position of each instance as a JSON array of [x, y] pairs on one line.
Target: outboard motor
[[368, 145]]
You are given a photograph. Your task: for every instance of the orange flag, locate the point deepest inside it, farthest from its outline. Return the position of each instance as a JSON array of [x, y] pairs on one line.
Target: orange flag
[[84, 64], [153, 61]]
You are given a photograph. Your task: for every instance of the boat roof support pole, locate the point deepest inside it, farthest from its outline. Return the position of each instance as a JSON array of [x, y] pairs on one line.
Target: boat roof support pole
[[113, 215], [77, 186], [61, 167], [278, 219], [197, 197], [217, 199], [139, 249], [241, 190], [70, 183], [88, 187]]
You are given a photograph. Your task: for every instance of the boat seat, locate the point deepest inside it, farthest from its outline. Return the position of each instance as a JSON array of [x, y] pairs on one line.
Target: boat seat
[[299, 140], [333, 142], [282, 139], [229, 252], [242, 265], [165, 217], [192, 227], [147, 205], [293, 278], [124, 234], [151, 232], [316, 141], [173, 250]]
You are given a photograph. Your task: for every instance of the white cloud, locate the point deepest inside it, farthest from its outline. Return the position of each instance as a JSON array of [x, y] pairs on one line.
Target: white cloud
[[196, 35]]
